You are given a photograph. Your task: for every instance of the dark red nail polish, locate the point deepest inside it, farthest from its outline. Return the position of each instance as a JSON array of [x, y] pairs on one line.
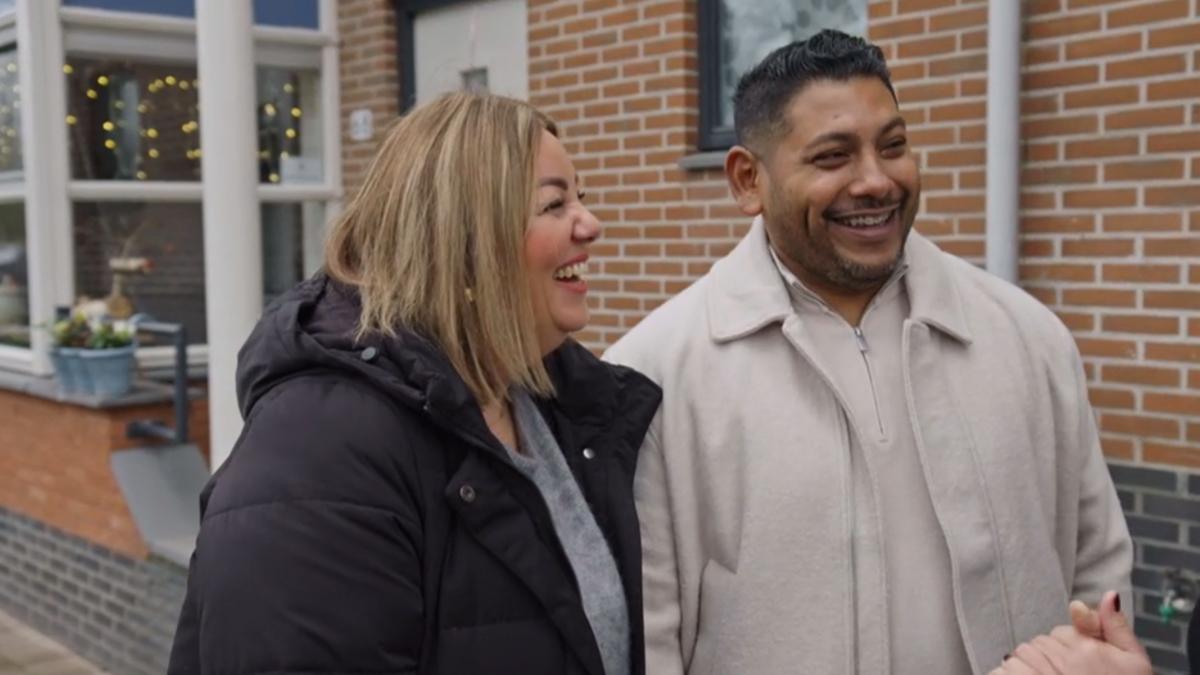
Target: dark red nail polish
[[1006, 657], [1117, 602]]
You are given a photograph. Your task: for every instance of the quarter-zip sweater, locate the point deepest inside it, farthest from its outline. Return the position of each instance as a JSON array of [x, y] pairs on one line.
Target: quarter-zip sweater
[[902, 580]]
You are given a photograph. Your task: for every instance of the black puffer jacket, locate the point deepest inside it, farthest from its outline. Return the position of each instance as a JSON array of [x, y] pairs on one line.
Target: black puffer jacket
[[368, 522]]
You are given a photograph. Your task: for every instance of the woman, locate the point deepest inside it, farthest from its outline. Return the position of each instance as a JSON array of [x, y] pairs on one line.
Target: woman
[[432, 477]]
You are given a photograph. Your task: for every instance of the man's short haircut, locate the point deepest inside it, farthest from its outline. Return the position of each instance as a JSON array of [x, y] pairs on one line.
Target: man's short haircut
[[764, 92]]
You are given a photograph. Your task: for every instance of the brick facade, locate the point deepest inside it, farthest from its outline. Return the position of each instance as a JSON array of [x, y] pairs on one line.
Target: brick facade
[[54, 465], [114, 610], [368, 74]]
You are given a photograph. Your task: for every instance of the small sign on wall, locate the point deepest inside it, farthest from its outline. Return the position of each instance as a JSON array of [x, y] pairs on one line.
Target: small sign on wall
[[362, 125]]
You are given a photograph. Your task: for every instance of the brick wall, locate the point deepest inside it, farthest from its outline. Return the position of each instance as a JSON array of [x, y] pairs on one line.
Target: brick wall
[[1162, 510], [368, 70], [54, 465], [114, 610], [621, 79], [1110, 204]]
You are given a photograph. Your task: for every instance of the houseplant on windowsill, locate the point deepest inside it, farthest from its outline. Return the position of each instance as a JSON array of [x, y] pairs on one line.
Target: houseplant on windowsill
[[95, 358], [109, 360], [70, 337]]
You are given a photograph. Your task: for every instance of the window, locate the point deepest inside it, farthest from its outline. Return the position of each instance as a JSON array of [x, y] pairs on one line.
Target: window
[[130, 120], [284, 13], [736, 34], [14, 276], [117, 214]]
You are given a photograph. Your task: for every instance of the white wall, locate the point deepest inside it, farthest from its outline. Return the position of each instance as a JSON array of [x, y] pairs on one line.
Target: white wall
[[486, 33]]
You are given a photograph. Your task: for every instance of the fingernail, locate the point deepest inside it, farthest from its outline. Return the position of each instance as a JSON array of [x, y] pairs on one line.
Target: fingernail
[[1006, 657], [1117, 602]]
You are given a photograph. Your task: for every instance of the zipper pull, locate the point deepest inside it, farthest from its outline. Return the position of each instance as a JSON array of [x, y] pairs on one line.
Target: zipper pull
[[862, 340]]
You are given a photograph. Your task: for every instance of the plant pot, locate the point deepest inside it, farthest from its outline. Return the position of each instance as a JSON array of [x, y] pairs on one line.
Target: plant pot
[[69, 369], [109, 371]]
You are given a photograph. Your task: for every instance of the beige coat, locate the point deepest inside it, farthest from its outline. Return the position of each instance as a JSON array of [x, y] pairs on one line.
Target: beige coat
[[743, 484]]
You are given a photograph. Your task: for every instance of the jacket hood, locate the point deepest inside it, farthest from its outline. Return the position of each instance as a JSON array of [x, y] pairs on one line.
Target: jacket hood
[[311, 328]]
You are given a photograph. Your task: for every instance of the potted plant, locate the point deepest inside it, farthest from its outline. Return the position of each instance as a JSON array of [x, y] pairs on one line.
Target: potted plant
[[108, 360], [92, 357], [70, 337]]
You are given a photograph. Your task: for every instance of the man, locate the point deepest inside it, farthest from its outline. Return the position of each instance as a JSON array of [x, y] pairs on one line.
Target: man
[[871, 456]]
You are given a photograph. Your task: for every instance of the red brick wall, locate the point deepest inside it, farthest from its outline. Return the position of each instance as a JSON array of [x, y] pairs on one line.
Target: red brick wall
[[54, 465], [621, 78], [1110, 227], [369, 78], [1110, 207], [1110, 204]]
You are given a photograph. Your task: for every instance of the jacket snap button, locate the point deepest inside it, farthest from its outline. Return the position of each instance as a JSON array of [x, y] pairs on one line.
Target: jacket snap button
[[368, 354], [588, 453], [467, 493]]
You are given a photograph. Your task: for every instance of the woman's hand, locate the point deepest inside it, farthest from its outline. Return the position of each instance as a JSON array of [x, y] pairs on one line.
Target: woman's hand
[[1099, 642]]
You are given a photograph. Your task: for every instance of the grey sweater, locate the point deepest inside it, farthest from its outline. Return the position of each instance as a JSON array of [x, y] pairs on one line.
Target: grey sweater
[[587, 550]]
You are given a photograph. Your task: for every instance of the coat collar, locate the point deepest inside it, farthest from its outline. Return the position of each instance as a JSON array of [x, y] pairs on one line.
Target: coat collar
[[746, 293]]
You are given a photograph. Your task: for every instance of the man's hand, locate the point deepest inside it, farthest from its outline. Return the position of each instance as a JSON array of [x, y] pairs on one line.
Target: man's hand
[[1099, 642]]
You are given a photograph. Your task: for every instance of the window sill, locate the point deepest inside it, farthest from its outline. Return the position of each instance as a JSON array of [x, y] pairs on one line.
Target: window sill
[[703, 161], [144, 392]]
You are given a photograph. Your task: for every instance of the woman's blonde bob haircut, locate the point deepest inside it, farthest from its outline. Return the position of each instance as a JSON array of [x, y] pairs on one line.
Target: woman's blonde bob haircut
[[434, 239]]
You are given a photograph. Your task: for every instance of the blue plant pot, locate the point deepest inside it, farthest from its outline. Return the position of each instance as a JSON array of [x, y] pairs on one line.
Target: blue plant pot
[[109, 371], [72, 375], [66, 363]]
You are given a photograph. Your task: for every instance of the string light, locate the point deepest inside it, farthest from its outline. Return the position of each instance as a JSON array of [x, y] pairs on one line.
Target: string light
[[152, 132], [110, 144], [183, 84], [289, 88], [274, 178], [269, 109], [170, 80], [290, 133], [67, 69], [296, 112], [141, 175], [102, 80], [91, 93], [142, 108], [71, 120], [153, 153], [108, 125]]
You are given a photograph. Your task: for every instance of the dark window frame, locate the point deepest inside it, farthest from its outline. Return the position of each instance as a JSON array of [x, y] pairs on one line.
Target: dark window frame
[[406, 58], [713, 135]]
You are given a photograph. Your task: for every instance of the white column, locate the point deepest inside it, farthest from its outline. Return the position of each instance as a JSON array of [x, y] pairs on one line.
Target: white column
[[232, 224], [44, 155], [1004, 138]]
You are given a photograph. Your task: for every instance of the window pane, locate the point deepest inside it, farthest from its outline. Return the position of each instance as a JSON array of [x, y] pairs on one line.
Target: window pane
[[143, 258], [14, 276], [291, 13], [132, 121], [751, 29], [10, 115], [289, 126], [293, 236]]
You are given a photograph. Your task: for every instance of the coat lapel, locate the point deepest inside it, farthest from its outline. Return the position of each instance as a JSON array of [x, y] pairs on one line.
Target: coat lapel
[[959, 497]]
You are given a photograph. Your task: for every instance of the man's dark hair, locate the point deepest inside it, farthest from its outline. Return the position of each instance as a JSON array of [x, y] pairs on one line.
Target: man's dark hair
[[762, 96]]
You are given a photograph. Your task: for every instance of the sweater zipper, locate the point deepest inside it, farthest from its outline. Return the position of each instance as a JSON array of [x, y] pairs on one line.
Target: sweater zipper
[[864, 349]]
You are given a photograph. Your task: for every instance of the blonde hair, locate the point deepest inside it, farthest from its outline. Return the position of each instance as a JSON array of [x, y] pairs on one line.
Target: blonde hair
[[434, 239]]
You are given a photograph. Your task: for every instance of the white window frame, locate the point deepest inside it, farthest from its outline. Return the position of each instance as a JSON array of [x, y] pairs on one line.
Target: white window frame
[[46, 33]]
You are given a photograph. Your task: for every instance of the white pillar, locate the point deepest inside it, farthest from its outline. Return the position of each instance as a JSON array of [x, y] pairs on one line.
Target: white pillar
[[232, 224], [44, 154], [1004, 138]]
